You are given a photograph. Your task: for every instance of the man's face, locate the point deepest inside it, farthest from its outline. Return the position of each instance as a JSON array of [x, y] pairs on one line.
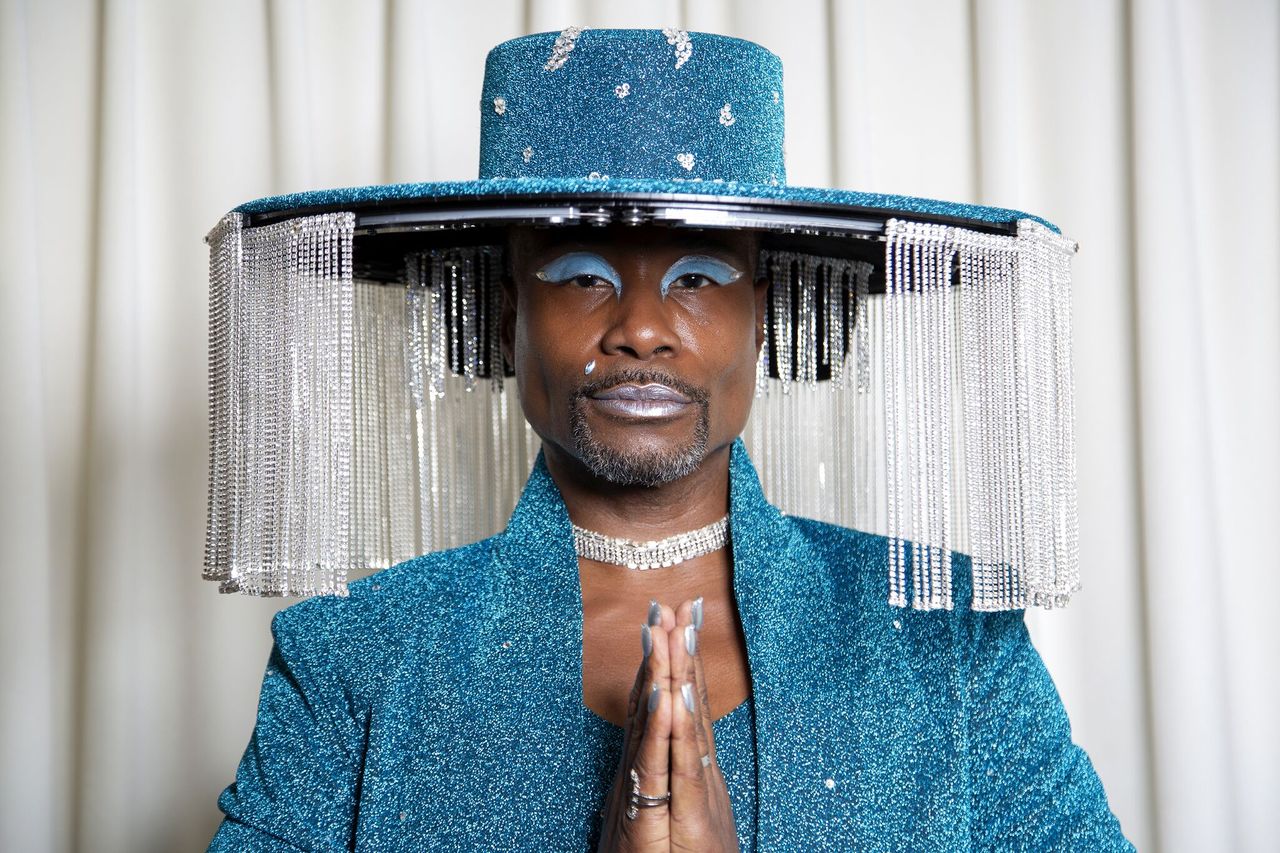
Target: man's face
[[634, 346]]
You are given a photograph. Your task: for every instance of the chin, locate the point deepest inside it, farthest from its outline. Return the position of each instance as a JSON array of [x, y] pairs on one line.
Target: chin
[[639, 457]]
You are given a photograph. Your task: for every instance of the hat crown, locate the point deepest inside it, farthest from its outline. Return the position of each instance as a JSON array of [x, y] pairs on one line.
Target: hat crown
[[652, 104]]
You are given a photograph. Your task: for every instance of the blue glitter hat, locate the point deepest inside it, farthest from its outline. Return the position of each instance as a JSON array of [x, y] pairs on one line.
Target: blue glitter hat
[[353, 331], [590, 113]]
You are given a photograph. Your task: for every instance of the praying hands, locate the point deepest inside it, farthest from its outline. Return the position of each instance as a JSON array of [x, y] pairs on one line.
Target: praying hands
[[669, 746]]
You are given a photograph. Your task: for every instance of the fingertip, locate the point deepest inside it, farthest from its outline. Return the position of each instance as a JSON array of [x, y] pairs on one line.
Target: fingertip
[[691, 640], [654, 615], [687, 772]]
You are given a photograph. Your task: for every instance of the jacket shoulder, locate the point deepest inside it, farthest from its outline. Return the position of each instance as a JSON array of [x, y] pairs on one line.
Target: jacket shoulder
[[859, 562], [853, 561], [425, 580], [385, 615]]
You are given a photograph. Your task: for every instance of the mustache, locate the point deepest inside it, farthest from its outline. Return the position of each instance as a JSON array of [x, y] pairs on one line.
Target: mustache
[[641, 376]]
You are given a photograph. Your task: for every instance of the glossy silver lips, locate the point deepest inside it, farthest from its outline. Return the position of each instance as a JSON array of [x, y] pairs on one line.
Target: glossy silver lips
[[650, 400]]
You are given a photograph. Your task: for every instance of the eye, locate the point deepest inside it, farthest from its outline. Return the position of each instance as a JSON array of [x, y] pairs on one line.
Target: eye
[[585, 270], [693, 281], [695, 272]]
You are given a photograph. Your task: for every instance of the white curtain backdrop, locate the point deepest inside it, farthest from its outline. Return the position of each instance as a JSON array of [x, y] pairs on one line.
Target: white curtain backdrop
[[1148, 129]]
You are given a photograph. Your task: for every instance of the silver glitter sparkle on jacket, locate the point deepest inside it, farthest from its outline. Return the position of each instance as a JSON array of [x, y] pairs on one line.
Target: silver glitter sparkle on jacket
[[439, 707]]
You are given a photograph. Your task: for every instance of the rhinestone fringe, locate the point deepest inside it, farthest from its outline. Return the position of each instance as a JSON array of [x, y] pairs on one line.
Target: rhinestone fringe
[[347, 430], [355, 424], [280, 355], [953, 430]]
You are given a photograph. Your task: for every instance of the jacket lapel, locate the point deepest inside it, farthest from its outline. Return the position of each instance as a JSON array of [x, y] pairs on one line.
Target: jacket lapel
[[796, 625], [540, 616], [787, 603]]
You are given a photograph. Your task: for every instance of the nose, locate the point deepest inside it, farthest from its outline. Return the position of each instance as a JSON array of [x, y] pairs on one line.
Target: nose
[[641, 325]]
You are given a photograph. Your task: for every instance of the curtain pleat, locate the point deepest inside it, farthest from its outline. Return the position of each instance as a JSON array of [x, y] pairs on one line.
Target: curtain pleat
[[34, 769], [1204, 98]]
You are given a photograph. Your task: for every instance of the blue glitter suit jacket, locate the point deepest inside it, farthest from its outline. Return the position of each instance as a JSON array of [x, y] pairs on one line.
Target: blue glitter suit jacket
[[439, 706]]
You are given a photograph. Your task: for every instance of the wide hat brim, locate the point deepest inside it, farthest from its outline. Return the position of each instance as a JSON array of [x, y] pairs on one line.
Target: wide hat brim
[[783, 207], [392, 220]]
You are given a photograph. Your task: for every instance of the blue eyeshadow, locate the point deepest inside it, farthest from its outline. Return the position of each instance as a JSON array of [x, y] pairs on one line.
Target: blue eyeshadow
[[714, 269], [575, 264]]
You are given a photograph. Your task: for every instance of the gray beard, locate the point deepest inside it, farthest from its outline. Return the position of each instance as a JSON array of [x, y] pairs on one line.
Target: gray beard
[[638, 467]]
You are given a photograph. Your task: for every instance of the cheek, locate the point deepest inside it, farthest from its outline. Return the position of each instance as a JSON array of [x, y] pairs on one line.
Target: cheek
[[553, 339], [729, 336], [550, 353], [530, 370], [727, 347]]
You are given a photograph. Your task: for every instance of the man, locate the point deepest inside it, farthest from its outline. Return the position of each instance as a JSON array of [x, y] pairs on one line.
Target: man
[[635, 353], [496, 696]]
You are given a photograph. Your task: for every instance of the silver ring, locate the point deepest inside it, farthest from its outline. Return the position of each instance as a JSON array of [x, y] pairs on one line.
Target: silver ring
[[637, 800], [706, 761], [651, 802]]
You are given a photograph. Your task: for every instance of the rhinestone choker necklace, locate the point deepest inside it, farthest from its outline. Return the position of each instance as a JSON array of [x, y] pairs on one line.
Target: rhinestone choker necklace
[[651, 555]]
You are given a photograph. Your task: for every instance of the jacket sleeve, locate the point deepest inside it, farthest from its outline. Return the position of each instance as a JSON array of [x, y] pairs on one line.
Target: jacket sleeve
[[1033, 789], [295, 786]]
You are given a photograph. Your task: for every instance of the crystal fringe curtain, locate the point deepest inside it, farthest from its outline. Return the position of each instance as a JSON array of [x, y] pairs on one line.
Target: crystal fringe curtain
[[349, 424], [356, 423], [952, 429], [472, 449], [280, 367]]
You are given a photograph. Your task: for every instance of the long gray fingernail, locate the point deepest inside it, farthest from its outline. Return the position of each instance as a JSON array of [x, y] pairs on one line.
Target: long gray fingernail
[[646, 640], [697, 613], [655, 613], [691, 639], [686, 690], [654, 695]]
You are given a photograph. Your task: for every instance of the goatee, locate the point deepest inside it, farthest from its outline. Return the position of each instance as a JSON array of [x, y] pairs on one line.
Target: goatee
[[639, 466]]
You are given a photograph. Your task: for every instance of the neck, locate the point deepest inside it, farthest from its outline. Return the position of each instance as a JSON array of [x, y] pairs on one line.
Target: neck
[[642, 513]]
